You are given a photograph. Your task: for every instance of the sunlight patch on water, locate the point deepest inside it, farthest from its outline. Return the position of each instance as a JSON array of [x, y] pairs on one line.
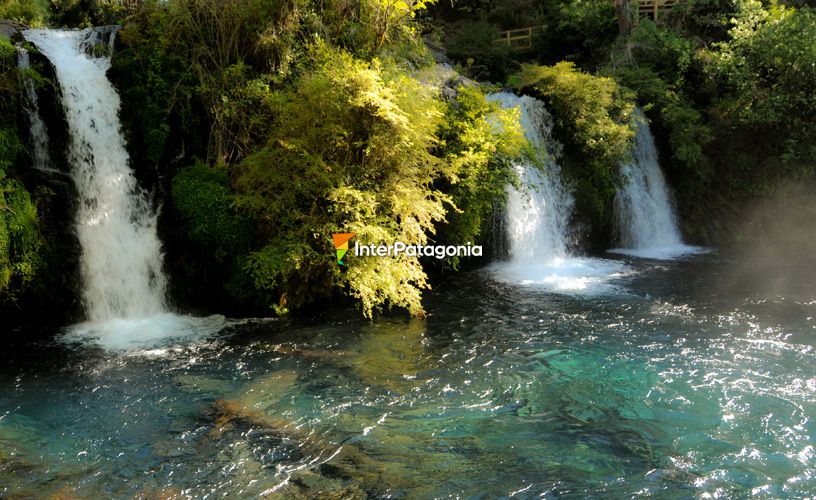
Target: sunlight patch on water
[[151, 335], [565, 275]]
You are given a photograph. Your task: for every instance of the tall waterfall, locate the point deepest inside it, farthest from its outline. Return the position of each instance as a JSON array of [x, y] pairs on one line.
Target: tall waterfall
[[31, 106], [537, 215], [116, 224], [644, 217]]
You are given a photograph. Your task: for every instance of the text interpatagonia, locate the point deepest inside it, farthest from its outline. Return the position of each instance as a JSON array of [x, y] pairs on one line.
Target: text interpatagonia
[[399, 248]]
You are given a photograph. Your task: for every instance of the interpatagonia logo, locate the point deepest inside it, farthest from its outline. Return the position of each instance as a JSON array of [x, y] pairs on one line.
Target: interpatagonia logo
[[341, 245], [398, 248]]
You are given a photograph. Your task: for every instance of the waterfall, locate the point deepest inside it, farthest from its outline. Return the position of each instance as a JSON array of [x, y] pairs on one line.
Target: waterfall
[[645, 222], [31, 106], [116, 224], [538, 212]]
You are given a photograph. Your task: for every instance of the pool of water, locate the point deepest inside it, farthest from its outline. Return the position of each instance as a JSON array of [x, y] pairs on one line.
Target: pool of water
[[686, 378]]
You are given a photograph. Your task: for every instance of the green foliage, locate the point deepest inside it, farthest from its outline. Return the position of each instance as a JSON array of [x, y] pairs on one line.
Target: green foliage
[[592, 117], [659, 65], [663, 51], [29, 12], [480, 141], [20, 239], [203, 197], [704, 21], [473, 45], [578, 30], [216, 234], [156, 87], [350, 152], [769, 70]]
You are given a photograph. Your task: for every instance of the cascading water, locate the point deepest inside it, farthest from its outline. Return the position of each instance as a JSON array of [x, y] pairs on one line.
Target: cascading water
[[116, 224], [644, 216], [537, 215], [31, 106]]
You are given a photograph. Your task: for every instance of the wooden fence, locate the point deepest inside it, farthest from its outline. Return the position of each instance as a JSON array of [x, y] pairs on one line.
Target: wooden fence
[[653, 8], [521, 38]]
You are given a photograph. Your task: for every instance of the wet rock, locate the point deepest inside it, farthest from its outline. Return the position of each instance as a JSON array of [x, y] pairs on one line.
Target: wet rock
[[444, 77], [309, 484], [393, 357], [228, 415], [10, 29]]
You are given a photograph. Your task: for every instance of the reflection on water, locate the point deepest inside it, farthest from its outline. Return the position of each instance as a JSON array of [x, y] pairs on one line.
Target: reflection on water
[[690, 383]]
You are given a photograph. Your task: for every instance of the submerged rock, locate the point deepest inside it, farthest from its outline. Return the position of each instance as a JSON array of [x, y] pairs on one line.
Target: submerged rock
[[313, 354], [201, 383], [265, 391]]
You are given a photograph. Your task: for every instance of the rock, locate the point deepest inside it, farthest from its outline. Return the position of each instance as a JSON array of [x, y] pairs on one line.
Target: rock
[[262, 392], [229, 414], [446, 78], [9, 28], [437, 49], [309, 484]]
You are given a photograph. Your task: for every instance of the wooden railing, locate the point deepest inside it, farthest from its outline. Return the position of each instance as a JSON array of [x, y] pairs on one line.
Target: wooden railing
[[521, 38], [653, 8]]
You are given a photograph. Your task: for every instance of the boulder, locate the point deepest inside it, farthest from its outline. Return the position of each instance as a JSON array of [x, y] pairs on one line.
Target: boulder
[[9, 28]]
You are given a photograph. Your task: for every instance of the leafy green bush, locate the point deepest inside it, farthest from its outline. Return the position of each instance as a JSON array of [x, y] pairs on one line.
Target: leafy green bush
[[592, 118], [157, 90], [29, 12], [217, 238], [350, 152], [473, 45], [480, 140], [578, 30], [20, 238], [203, 197], [769, 69]]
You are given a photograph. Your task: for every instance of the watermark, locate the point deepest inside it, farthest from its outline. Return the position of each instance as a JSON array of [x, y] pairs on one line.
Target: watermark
[[341, 245], [398, 248]]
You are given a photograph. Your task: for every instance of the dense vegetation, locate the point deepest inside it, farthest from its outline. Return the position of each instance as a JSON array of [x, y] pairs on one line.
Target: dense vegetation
[[267, 125], [20, 238], [319, 119]]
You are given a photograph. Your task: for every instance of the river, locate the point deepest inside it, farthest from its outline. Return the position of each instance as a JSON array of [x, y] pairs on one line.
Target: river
[[679, 378]]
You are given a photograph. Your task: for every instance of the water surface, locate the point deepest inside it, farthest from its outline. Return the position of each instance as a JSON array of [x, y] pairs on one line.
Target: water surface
[[687, 378]]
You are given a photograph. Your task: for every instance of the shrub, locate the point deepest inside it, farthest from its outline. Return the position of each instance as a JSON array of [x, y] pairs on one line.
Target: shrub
[[351, 152], [480, 141], [29, 12], [473, 45], [592, 117]]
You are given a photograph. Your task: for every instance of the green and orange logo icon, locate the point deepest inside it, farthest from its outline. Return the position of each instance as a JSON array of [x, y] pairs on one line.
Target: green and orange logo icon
[[341, 245]]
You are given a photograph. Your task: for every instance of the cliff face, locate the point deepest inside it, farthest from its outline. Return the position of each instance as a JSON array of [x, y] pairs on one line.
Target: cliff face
[[9, 29], [51, 295]]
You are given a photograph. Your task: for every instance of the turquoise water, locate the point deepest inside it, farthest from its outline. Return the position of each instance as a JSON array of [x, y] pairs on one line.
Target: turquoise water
[[693, 378]]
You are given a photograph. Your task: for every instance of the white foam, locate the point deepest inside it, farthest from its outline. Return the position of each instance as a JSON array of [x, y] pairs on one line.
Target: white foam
[[578, 275], [152, 335]]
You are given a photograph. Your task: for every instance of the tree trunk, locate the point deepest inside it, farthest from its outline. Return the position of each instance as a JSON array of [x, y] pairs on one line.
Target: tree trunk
[[624, 16]]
